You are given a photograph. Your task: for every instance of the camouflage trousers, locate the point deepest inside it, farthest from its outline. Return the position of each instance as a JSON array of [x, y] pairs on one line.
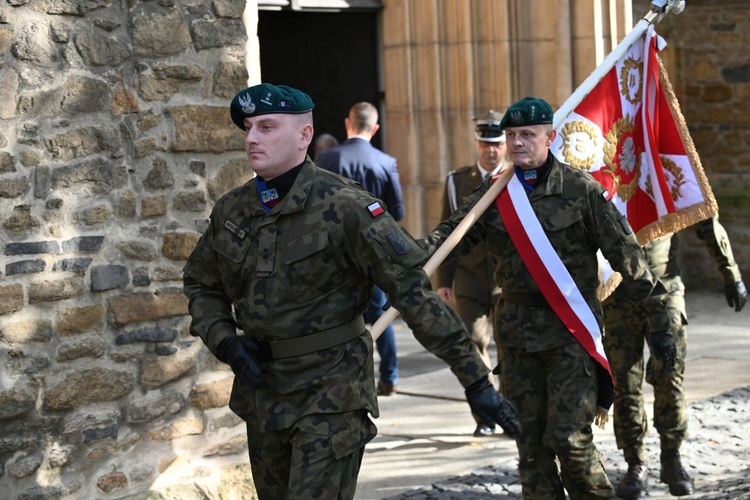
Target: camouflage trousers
[[626, 335], [317, 458], [555, 393]]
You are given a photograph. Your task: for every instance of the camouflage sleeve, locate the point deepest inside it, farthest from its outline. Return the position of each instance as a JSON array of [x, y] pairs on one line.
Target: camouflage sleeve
[[617, 242], [209, 306], [389, 256], [715, 237]]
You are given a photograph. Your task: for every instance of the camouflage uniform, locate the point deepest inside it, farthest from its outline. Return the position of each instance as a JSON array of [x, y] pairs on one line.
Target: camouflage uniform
[[625, 340], [545, 372], [307, 266]]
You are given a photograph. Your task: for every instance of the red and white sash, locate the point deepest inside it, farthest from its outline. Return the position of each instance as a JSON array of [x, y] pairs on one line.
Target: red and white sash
[[548, 271]]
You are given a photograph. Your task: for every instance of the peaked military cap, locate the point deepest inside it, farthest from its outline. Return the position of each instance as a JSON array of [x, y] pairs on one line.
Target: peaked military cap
[[488, 128], [527, 111], [266, 98]]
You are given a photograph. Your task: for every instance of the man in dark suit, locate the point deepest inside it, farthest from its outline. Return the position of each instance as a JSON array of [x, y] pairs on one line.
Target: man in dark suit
[[467, 284], [357, 159]]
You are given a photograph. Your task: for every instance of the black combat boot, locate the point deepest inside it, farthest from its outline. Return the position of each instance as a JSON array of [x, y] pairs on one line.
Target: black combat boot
[[634, 482], [674, 475]]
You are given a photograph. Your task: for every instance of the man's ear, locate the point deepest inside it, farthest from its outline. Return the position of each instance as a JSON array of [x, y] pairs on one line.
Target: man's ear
[[307, 135], [374, 129], [551, 136]]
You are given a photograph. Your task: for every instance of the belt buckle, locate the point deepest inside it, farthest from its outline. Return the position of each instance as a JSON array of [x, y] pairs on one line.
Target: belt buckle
[[264, 350]]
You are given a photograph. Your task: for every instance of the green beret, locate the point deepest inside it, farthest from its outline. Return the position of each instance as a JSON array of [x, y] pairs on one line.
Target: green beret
[[265, 99], [527, 111]]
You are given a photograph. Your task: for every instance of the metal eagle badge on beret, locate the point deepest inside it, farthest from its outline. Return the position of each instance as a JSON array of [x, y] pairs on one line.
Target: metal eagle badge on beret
[[267, 98]]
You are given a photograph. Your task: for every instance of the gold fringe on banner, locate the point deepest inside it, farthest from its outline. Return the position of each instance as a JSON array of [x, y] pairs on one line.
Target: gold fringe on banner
[[688, 216]]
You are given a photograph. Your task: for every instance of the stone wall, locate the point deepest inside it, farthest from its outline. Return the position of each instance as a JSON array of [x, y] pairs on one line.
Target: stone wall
[[115, 141]]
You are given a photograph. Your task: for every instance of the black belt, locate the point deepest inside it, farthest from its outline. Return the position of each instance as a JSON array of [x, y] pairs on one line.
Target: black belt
[[287, 348]]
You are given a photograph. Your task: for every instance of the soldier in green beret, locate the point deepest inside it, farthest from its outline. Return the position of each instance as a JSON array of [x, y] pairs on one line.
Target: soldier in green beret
[[627, 335], [543, 234], [277, 286]]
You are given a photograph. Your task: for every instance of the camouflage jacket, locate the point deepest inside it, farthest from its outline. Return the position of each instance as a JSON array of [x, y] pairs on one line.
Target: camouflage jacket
[[578, 220], [306, 266], [662, 253]]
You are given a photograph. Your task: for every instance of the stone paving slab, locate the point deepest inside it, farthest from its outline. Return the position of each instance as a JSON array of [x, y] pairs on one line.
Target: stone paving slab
[[425, 448]]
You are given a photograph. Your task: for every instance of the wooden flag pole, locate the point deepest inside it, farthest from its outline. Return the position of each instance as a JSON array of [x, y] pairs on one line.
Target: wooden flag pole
[[450, 243]]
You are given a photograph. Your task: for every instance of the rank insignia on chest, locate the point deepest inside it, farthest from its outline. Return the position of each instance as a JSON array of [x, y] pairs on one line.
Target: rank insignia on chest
[[269, 197], [375, 209], [234, 229]]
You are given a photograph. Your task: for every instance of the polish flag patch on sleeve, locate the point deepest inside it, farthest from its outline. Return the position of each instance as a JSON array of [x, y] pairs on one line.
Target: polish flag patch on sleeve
[[375, 209]]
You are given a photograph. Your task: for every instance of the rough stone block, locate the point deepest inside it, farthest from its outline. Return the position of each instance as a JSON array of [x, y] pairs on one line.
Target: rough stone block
[[18, 363], [83, 244], [11, 299], [153, 206], [138, 250], [151, 408], [25, 331], [177, 429], [112, 481], [160, 370], [95, 215], [32, 248], [108, 277], [88, 386], [190, 201], [78, 320], [84, 347], [16, 403], [99, 433], [148, 334], [21, 221], [145, 307], [76, 265], [25, 267], [179, 246], [50, 291], [211, 395], [217, 134]]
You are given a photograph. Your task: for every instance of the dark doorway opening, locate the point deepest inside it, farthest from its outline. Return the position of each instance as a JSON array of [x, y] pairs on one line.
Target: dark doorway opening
[[331, 56]]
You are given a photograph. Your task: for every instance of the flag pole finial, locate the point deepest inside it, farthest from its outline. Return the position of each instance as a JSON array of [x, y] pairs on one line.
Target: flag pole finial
[[659, 9]]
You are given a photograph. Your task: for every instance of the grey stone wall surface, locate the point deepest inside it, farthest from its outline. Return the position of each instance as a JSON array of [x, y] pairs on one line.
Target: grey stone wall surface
[[115, 140]]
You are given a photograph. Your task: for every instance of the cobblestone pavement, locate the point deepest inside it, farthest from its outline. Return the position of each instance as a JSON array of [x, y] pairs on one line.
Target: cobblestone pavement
[[716, 455]]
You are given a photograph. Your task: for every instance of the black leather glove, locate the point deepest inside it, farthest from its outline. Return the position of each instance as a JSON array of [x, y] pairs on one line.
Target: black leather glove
[[492, 407], [663, 348], [736, 294], [237, 352]]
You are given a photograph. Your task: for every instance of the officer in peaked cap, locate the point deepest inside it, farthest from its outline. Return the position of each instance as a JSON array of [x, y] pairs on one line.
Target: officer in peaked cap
[[488, 128], [468, 283], [277, 287]]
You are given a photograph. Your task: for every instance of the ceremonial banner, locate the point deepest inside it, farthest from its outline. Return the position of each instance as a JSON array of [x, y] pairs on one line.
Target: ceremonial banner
[[629, 133]]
